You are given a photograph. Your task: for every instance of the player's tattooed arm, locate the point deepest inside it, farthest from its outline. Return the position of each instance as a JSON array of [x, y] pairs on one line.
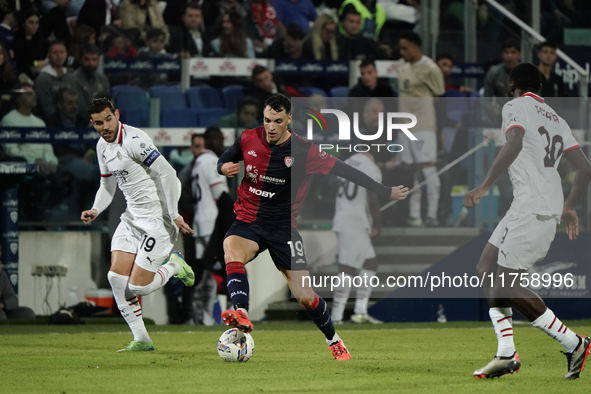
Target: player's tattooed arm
[[505, 158]]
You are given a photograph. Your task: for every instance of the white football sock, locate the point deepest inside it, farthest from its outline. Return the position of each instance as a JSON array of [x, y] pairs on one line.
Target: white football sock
[[415, 201], [433, 189], [551, 325], [363, 292], [162, 276], [503, 324], [334, 339], [340, 297], [129, 305]]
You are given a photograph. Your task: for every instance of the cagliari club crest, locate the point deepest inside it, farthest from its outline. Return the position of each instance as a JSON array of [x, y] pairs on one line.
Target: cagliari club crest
[[289, 161]]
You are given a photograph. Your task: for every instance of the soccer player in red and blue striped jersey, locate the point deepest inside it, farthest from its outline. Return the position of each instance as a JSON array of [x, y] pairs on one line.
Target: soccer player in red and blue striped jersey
[[278, 164]]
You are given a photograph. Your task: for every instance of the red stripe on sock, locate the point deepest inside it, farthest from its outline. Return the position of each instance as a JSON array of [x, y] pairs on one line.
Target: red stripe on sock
[[235, 267], [562, 325], [564, 332], [161, 277], [506, 329], [508, 335], [164, 269], [504, 318], [314, 304], [552, 323]]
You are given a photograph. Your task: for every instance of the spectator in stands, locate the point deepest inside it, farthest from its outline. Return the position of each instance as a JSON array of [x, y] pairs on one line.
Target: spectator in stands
[[189, 40], [73, 8], [122, 46], [7, 80], [353, 46], [419, 80], [25, 100], [497, 78], [98, 13], [51, 78], [373, 17], [68, 113], [9, 309], [29, 46], [263, 86], [83, 35], [233, 41], [142, 15], [552, 84], [22, 116], [155, 40], [369, 85], [321, 43], [54, 22], [261, 25], [7, 28], [7, 77], [289, 47], [300, 12], [445, 61], [245, 116], [87, 81]]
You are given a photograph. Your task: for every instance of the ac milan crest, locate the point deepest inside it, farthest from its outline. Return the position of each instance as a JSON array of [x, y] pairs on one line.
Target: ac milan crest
[[289, 161]]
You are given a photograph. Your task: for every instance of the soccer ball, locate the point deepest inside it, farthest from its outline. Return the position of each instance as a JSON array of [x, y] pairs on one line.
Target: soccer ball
[[235, 345]]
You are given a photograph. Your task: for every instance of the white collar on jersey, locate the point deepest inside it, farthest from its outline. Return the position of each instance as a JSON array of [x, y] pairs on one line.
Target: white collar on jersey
[[534, 96]]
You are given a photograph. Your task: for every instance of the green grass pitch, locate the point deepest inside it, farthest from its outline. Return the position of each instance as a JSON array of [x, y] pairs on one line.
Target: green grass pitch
[[288, 358]]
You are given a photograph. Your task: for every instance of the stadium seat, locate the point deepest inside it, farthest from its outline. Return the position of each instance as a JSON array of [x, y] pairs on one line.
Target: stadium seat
[[173, 107], [341, 91], [202, 97], [178, 118], [310, 90], [133, 105], [209, 117], [232, 96]]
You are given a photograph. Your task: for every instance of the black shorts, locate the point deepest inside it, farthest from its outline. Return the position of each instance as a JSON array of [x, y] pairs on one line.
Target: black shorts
[[285, 244]]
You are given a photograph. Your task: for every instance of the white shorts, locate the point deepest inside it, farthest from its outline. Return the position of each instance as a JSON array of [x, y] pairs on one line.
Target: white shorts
[[354, 249], [424, 150], [523, 239], [151, 240]]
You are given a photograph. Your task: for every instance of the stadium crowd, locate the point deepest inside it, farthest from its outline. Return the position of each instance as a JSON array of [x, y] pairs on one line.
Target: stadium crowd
[[51, 49]]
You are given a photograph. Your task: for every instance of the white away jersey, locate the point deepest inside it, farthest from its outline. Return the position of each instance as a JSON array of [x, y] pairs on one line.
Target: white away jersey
[[537, 187], [128, 159], [352, 207], [204, 176]]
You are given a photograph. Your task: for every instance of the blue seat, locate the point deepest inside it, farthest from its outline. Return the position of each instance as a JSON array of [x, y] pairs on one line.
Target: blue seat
[[173, 107], [232, 96], [453, 93], [310, 90], [457, 105], [170, 97], [210, 116], [133, 105], [178, 118], [202, 97], [341, 91]]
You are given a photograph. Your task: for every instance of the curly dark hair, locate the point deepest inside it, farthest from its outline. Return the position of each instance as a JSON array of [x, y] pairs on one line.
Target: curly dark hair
[[98, 105], [526, 77], [278, 103]]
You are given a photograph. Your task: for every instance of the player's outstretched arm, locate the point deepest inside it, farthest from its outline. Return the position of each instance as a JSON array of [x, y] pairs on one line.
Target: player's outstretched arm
[[102, 200], [577, 160], [505, 158], [171, 189], [360, 178]]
